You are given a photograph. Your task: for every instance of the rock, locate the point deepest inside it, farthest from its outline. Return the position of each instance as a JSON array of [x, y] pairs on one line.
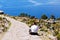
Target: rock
[[6, 24], [1, 31], [1, 28], [52, 37]]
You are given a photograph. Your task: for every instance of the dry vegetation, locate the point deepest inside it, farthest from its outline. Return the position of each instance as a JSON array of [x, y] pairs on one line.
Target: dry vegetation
[[4, 24], [47, 27]]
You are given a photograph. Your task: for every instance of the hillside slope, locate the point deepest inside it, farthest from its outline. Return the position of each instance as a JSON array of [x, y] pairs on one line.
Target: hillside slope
[[19, 31]]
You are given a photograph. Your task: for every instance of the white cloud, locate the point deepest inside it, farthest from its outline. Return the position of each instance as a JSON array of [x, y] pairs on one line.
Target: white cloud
[[35, 2], [54, 2]]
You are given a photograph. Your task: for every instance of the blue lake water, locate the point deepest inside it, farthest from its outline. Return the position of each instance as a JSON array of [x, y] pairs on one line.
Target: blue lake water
[[36, 11]]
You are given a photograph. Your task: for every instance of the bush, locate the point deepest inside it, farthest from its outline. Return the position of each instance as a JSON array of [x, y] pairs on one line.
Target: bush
[[44, 16], [58, 36], [56, 32]]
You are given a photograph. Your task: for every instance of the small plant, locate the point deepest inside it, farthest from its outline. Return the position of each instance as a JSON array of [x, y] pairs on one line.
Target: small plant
[[45, 30], [42, 29], [0, 18]]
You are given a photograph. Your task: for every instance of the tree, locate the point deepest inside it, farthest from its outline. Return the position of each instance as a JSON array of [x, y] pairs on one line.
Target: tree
[[32, 17], [24, 15], [44, 16], [52, 17], [58, 18]]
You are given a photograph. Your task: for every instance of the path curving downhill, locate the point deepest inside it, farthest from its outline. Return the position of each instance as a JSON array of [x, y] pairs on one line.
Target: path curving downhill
[[18, 31]]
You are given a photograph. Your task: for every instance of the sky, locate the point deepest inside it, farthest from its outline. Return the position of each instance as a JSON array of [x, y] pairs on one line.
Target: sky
[[32, 7]]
